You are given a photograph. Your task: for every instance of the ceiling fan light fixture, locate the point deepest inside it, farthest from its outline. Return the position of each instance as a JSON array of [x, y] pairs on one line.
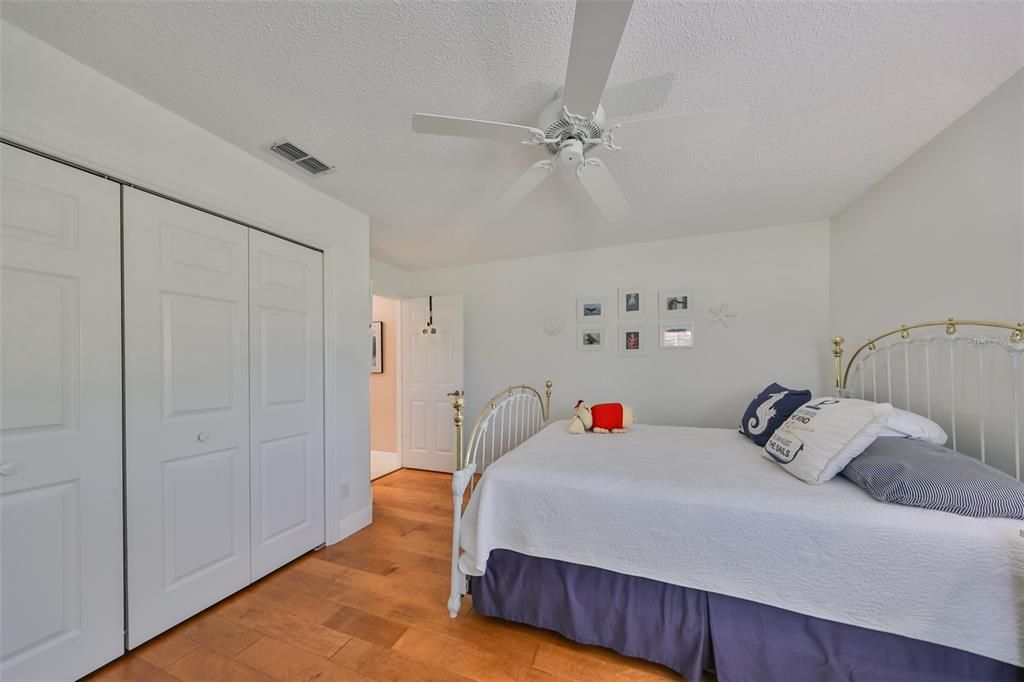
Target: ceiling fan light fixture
[[574, 124], [570, 152]]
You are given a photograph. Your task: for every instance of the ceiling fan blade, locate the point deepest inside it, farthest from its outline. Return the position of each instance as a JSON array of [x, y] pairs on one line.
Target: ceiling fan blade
[[526, 183], [596, 31], [602, 188], [721, 125], [470, 127]]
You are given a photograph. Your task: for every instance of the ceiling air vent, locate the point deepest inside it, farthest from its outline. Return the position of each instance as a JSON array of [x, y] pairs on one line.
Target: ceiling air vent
[[300, 158]]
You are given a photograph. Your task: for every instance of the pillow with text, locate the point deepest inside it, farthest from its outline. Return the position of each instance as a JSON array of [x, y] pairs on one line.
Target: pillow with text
[[823, 435]]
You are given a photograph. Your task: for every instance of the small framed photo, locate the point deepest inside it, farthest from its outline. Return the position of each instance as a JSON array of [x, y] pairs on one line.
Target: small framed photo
[[674, 303], [676, 334], [632, 341], [376, 348], [631, 302], [590, 339], [590, 309]]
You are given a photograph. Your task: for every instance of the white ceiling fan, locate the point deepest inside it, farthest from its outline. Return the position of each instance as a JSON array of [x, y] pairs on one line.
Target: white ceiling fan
[[573, 125]]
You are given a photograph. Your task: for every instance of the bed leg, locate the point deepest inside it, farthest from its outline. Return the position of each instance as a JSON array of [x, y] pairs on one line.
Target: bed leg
[[460, 479]]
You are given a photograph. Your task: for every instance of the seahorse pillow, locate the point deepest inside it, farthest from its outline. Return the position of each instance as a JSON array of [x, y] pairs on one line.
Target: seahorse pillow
[[824, 435], [768, 410]]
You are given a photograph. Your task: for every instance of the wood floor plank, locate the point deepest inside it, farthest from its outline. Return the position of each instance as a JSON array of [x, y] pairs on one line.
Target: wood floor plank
[[458, 656], [220, 634], [313, 608], [357, 654], [205, 665], [287, 663], [285, 627], [165, 650], [391, 666], [362, 562], [373, 608], [366, 626], [131, 668]]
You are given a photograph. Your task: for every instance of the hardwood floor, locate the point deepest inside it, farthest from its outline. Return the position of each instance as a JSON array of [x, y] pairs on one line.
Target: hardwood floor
[[371, 607]]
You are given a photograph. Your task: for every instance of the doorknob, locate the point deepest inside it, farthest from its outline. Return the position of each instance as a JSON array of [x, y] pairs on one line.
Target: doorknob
[[202, 436], [6, 469]]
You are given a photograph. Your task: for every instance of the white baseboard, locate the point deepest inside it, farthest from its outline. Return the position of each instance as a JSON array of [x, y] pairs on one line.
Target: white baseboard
[[382, 463], [355, 522]]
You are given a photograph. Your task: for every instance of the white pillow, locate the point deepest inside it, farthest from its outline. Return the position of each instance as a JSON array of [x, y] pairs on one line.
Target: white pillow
[[903, 424], [824, 435]]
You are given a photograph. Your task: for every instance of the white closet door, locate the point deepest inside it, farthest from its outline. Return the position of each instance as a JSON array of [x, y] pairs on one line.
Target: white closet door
[[431, 369], [286, 395], [186, 411], [61, 577]]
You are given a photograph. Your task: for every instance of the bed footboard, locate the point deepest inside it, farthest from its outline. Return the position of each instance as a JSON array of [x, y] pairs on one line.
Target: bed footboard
[[509, 418]]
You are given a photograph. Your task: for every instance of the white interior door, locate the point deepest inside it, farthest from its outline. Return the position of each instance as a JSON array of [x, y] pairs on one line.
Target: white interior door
[[286, 397], [431, 369], [61, 576], [186, 323]]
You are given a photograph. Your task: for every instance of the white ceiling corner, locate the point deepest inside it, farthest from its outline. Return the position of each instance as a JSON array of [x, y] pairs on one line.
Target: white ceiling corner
[[839, 94]]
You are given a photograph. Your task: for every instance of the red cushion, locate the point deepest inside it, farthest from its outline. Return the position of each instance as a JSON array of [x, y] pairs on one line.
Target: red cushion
[[607, 416]]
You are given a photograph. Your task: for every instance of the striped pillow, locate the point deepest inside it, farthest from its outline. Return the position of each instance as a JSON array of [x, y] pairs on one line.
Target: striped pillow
[[923, 474]]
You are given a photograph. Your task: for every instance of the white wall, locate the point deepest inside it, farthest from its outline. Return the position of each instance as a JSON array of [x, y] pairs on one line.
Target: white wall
[[943, 234], [389, 280], [776, 279], [58, 105]]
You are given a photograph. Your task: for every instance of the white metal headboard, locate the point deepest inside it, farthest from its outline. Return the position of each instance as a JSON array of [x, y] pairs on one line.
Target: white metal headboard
[[509, 418], [963, 374]]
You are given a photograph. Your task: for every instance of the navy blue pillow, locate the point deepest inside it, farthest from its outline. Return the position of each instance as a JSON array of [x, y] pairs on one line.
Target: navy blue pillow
[[923, 474], [768, 410]]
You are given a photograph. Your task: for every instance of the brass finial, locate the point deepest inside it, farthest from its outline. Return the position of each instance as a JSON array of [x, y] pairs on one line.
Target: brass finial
[[547, 402], [837, 353], [458, 402]]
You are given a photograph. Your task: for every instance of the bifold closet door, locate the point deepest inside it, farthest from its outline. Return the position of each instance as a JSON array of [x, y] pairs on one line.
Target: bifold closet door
[[61, 576], [186, 326], [286, 390]]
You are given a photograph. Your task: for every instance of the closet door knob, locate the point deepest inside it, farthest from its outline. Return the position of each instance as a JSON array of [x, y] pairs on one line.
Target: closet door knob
[[202, 436]]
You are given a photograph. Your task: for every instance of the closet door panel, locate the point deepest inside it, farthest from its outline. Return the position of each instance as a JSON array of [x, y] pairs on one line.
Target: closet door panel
[[61, 577], [186, 409], [286, 348]]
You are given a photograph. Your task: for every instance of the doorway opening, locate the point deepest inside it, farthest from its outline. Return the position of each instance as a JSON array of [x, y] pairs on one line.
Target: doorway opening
[[385, 383]]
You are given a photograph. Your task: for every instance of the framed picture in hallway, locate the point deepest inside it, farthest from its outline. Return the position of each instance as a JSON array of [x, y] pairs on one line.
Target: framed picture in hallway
[[376, 348]]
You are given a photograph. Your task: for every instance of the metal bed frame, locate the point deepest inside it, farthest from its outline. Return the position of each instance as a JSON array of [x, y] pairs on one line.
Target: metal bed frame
[[880, 369]]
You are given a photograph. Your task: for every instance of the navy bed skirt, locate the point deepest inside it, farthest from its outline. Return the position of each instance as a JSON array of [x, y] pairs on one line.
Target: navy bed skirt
[[691, 630]]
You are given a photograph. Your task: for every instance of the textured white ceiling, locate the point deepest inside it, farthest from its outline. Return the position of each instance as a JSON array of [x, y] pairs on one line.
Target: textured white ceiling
[[840, 93]]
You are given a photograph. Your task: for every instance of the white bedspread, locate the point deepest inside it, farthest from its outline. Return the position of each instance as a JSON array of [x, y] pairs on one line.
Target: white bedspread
[[701, 508]]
